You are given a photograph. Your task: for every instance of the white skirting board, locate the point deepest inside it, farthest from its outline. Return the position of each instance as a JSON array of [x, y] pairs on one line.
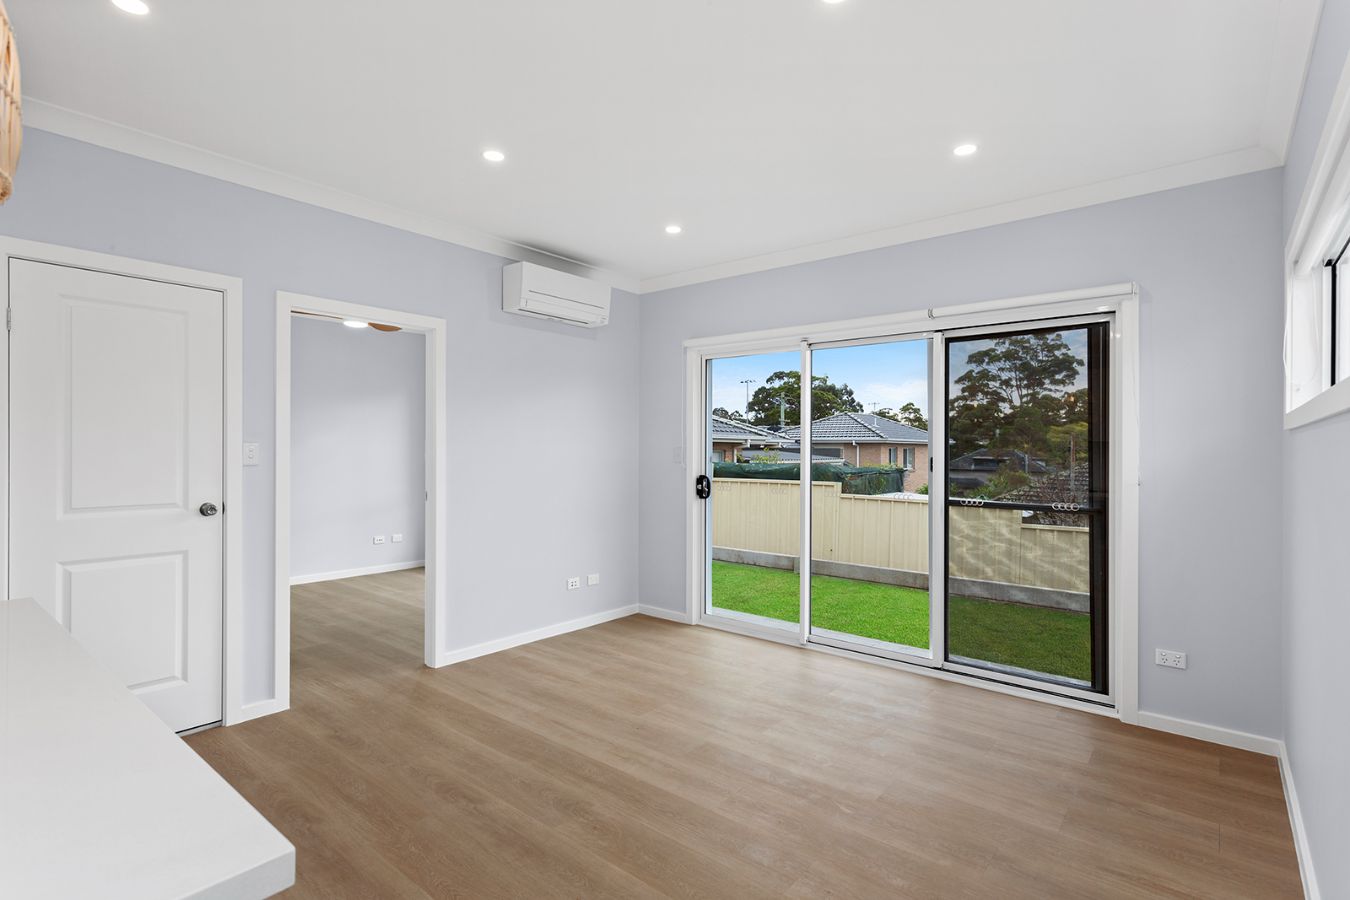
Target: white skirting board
[[1242, 740], [356, 573], [1301, 847], [259, 708], [449, 657], [660, 612]]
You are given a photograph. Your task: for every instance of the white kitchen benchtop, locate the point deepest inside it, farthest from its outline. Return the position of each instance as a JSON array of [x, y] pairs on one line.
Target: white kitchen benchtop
[[99, 799]]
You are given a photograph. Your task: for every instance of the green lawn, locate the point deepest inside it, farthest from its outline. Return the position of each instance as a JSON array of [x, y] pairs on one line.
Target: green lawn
[[1043, 640]]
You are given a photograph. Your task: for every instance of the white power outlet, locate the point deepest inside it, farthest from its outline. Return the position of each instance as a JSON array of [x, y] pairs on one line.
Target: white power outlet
[[1174, 659], [377, 539], [593, 579], [396, 538], [251, 454], [574, 582]]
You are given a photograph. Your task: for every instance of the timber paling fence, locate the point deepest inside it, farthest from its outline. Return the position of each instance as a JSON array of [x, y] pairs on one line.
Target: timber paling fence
[[992, 552]]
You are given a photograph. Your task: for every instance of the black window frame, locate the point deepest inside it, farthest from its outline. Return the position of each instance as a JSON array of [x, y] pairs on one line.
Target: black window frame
[[1333, 336]]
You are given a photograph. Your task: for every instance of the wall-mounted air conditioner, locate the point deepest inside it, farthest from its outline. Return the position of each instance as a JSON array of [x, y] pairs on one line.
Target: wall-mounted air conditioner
[[531, 290]]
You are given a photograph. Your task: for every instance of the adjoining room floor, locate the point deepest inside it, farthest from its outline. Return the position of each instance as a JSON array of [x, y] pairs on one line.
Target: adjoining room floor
[[641, 758]]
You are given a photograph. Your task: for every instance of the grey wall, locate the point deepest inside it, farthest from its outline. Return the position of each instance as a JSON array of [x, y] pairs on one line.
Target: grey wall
[[532, 404], [1316, 564], [1208, 264], [358, 444]]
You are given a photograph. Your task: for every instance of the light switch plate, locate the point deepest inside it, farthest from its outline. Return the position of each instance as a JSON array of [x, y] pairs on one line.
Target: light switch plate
[[251, 454], [593, 579], [396, 538]]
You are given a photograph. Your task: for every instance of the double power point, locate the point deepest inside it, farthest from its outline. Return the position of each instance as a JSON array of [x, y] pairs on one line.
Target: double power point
[[1173, 659], [574, 582]]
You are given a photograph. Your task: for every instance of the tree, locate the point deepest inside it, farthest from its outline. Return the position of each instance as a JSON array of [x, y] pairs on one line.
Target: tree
[[909, 414], [733, 414], [1012, 393], [779, 399], [1068, 443]]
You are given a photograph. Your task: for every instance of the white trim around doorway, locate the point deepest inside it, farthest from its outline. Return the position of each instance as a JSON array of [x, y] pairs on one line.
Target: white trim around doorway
[[436, 601], [231, 289], [1122, 300]]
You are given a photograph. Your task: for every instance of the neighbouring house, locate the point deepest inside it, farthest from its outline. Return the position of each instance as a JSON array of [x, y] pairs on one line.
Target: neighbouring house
[[974, 469], [863, 439], [734, 441]]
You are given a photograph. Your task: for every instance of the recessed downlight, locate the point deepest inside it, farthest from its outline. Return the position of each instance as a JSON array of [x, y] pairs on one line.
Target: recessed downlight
[[672, 228], [832, 2], [965, 149], [494, 156], [354, 323], [135, 7]]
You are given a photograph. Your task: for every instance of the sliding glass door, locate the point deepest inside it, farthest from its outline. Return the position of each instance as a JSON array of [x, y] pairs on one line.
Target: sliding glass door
[[1026, 500], [753, 509], [958, 499], [869, 498]]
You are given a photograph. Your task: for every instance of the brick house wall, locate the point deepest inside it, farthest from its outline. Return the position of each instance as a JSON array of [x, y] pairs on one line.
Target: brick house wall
[[725, 450]]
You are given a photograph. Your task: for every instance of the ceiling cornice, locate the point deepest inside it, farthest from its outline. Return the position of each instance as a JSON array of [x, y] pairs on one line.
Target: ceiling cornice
[[1295, 34], [1241, 162], [103, 133]]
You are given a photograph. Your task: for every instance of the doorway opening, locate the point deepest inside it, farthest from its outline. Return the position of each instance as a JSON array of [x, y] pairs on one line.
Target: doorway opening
[[360, 470], [358, 483]]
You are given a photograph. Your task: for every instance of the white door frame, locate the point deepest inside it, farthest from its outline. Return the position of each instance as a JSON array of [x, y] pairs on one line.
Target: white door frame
[[435, 599], [1121, 299], [232, 291]]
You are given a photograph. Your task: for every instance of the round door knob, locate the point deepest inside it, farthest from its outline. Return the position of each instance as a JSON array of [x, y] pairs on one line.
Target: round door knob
[[208, 509]]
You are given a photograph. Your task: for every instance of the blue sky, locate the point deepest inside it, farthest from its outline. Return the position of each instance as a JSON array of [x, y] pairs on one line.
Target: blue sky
[[885, 375], [889, 374]]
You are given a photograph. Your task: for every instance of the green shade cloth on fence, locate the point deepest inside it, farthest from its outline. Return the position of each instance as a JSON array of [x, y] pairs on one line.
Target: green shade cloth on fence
[[854, 479]]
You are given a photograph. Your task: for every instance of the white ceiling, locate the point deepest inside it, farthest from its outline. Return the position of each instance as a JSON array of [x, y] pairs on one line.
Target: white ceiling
[[761, 126]]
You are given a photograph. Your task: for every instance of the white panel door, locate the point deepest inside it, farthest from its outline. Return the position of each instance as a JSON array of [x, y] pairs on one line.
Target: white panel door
[[116, 444]]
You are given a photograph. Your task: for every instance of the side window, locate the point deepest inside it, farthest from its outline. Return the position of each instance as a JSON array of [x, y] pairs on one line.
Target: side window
[[909, 458], [890, 454]]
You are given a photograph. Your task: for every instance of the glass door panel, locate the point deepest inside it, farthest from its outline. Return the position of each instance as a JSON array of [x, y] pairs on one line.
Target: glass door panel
[[869, 511], [754, 511], [1027, 453]]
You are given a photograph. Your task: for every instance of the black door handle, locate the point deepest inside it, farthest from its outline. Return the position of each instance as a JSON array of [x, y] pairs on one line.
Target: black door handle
[[702, 487]]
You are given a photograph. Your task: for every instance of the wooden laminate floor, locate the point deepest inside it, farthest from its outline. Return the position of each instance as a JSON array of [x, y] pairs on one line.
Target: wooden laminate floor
[[647, 759]]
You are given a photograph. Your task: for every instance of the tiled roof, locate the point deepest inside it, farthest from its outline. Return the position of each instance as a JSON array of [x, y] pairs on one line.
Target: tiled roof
[[864, 428], [982, 460], [1070, 485], [731, 430]]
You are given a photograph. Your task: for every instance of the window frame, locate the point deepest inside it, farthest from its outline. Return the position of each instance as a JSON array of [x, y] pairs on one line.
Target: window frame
[[1317, 340]]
